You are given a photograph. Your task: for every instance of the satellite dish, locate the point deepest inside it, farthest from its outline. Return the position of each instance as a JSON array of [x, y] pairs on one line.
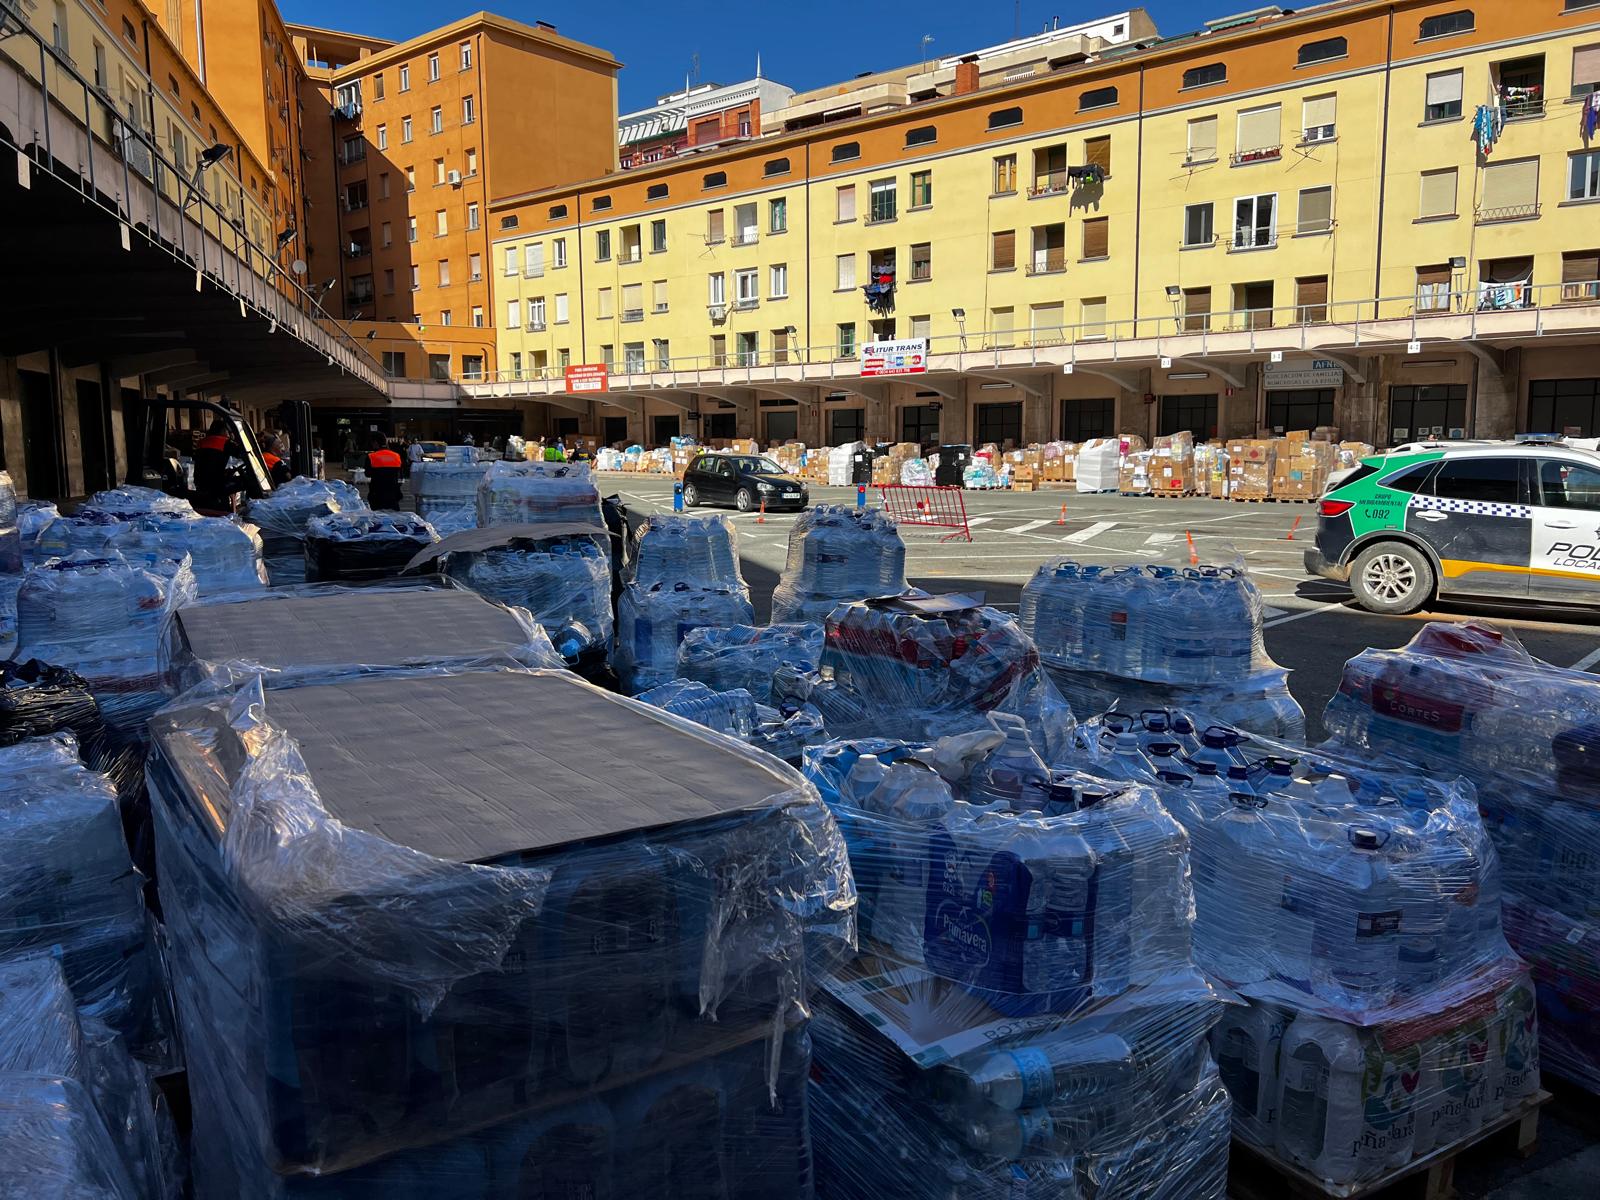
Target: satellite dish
[[298, 266]]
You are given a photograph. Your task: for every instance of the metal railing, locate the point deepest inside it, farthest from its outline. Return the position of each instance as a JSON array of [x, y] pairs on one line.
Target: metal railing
[[744, 237], [176, 215], [630, 315], [1388, 322], [1511, 212], [1519, 108], [1048, 262], [1253, 239], [1243, 158]]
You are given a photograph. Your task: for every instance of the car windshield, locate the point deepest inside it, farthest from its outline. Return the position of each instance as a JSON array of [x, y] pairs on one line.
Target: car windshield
[[759, 466], [433, 447]]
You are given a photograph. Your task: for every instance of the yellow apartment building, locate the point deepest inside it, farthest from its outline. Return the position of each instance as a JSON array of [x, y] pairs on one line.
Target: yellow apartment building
[[1284, 220]]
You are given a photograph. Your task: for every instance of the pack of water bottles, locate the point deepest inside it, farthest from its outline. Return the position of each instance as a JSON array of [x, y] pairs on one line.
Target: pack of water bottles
[[78, 1116], [225, 555], [1469, 698], [69, 892], [1160, 637], [32, 517], [838, 554], [101, 616], [282, 518], [1352, 1104], [653, 619], [563, 580], [748, 656], [595, 974], [668, 548], [364, 545], [736, 712], [527, 493], [130, 501], [918, 667], [447, 493]]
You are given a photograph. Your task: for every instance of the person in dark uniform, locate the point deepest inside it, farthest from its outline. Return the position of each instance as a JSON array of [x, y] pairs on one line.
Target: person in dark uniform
[[215, 481], [277, 467], [383, 469]]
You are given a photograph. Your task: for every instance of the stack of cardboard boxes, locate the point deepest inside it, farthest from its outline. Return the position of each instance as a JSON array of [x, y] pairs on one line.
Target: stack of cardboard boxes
[[1171, 470], [1301, 467], [1250, 468], [1059, 461]]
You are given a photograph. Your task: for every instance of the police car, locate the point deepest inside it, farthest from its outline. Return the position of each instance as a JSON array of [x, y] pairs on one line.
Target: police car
[[1498, 520]]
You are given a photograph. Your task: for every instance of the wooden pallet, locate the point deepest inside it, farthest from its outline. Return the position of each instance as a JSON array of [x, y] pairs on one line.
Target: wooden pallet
[[1174, 495], [1254, 1175]]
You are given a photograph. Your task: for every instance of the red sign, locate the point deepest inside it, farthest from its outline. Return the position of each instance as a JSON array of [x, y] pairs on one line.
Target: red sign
[[587, 377]]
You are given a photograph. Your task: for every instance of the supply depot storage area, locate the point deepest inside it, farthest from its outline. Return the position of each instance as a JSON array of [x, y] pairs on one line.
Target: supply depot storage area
[[1089, 858]]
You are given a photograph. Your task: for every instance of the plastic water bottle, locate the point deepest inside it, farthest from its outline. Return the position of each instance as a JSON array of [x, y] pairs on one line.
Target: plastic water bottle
[[1246, 1043], [1002, 1132], [864, 778], [1356, 946], [1013, 775], [914, 802], [1059, 1070]]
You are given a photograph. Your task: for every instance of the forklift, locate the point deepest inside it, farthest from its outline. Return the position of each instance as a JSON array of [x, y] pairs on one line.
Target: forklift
[[154, 462]]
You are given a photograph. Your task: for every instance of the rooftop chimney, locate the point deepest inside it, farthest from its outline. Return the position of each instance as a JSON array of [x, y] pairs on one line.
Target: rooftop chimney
[[967, 75]]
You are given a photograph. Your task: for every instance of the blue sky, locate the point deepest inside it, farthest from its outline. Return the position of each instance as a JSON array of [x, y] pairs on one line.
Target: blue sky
[[804, 44]]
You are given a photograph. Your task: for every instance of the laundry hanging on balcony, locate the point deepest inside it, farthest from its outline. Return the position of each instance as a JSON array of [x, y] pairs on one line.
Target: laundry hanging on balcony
[[1589, 116], [1487, 125], [880, 293], [1088, 175]]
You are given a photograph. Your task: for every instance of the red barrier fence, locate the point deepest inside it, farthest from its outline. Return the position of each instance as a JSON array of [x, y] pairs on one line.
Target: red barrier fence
[[927, 508]]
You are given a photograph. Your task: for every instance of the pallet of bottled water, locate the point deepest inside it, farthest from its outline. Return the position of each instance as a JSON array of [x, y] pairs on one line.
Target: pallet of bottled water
[[531, 493], [283, 515], [1159, 636], [447, 493], [652, 619], [564, 581], [838, 554], [1468, 698], [670, 548], [736, 713], [364, 545], [748, 656]]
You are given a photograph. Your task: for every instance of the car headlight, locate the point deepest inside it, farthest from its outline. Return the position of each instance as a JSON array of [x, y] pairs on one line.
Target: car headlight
[[765, 487]]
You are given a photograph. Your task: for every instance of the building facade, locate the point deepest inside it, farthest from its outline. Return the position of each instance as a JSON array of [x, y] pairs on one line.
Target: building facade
[[700, 116], [1371, 215]]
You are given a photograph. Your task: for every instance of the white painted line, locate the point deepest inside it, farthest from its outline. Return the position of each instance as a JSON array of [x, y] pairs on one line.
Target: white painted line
[[1025, 528], [1094, 531], [978, 520], [1587, 661], [1160, 539], [1310, 612]]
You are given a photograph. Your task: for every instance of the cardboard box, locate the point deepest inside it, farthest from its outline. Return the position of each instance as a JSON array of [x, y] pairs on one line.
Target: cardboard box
[[1250, 468], [1025, 479], [1133, 474]]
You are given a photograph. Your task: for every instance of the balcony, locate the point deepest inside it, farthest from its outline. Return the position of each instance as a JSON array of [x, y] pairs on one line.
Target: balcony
[[1253, 239], [629, 254], [536, 325], [531, 272], [1048, 262], [630, 315], [743, 237], [1516, 212], [746, 304], [347, 112], [1261, 154], [353, 154], [1052, 184], [357, 250]]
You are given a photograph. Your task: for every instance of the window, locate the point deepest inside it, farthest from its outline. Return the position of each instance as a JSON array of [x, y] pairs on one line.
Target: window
[[1570, 484], [438, 170], [1097, 98], [1202, 140], [780, 346], [1255, 222], [658, 236], [475, 267], [469, 110], [436, 120], [386, 232], [845, 272], [1488, 480], [511, 260], [129, 32], [1583, 176], [778, 215], [602, 245], [1205, 76], [405, 78], [1196, 309], [714, 227], [778, 281], [1000, 424], [921, 189], [1585, 70], [1097, 237], [847, 339], [416, 277], [558, 211], [1430, 410], [1316, 210], [477, 316], [1580, 271], [600, 204], [411, 229], [744, 224], [1315, 52], [446, 317], [466, 56], [394, 364], [383, 185], [1311, 299], [921, 262], [532, 260], [881, 201], [746, 287], [663, 353], [473, 215], [716, 289], [845, 203], [563, 358], [845, 151], [444, 272], [1005, 174], [433, 67], [405, 129], [536, 313], [1446, 24], [510, 222], [1004, 118], [1437, 196], [1085, 419], [1442, 101], [602, 304], [441, 223], [1003, 250], [1049, 170], [632, 357], [608, 355], [922, 135], [353, 150], [1197, 414], [656, 191], [1510, 190], [1002, 326], [1299, 408], [1198, 229], [561, 308], [1258, 137], [383, 137], [846, 425], [558, 252], [1097, 153], [1570, 407], [1049, 249], [658, 296], [775, 166], [1317, 118], [377, 86], [411, 179], [715, 179], [1433, 288], [919, 423]]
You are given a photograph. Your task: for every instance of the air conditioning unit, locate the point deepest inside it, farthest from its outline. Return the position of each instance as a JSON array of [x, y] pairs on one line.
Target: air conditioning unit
[[718, 312], [455, 178]]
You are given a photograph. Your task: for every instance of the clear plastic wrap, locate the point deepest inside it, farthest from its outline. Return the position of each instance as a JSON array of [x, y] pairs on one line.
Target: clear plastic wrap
[[324, 630], [841, 463], [224, 554], [920, 667], [652, 619], [530, 493], [1160, 637], [86, 529], [747, 656], [41, 1035], [283, 515], [1469, 698], [70, 891], [564, 581], [838, 554], [1098, 464], [364, 545], [11, 561], [671, 549], [101, 617], [447, 493], [32, 517], [55, 1142], [444, 981], [130, 501], [736, 713]]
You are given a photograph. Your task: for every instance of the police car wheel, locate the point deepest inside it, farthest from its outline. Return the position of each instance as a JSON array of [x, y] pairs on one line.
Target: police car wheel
[[1391, 577], [691, 495]]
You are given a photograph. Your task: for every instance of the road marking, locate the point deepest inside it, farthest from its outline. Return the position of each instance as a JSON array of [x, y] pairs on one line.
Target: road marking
[[1159, 539], [1025, 528], [1587, 661], [1310, 612], [977, 520], [1094, 531]]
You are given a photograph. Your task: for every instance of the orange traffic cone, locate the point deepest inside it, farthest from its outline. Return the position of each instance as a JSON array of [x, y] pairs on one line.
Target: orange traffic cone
[[1194, 557], [1062, 519], [1292, 528], [761, 517]]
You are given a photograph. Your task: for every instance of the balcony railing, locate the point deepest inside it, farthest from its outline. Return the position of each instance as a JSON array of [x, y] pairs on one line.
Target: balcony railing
[[536, 325], [1521, 106], [1048, 262], [1253, 239], [629, 254], [743, 237], [1243, 158], [1514, 212], [746, 303], [347, 112], [630, 315], [1049, 184]]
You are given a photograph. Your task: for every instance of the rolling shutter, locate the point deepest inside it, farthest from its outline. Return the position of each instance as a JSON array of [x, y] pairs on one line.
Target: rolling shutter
[[1097, 237], [1005, 249], [1258, 129], [1510, 185]]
